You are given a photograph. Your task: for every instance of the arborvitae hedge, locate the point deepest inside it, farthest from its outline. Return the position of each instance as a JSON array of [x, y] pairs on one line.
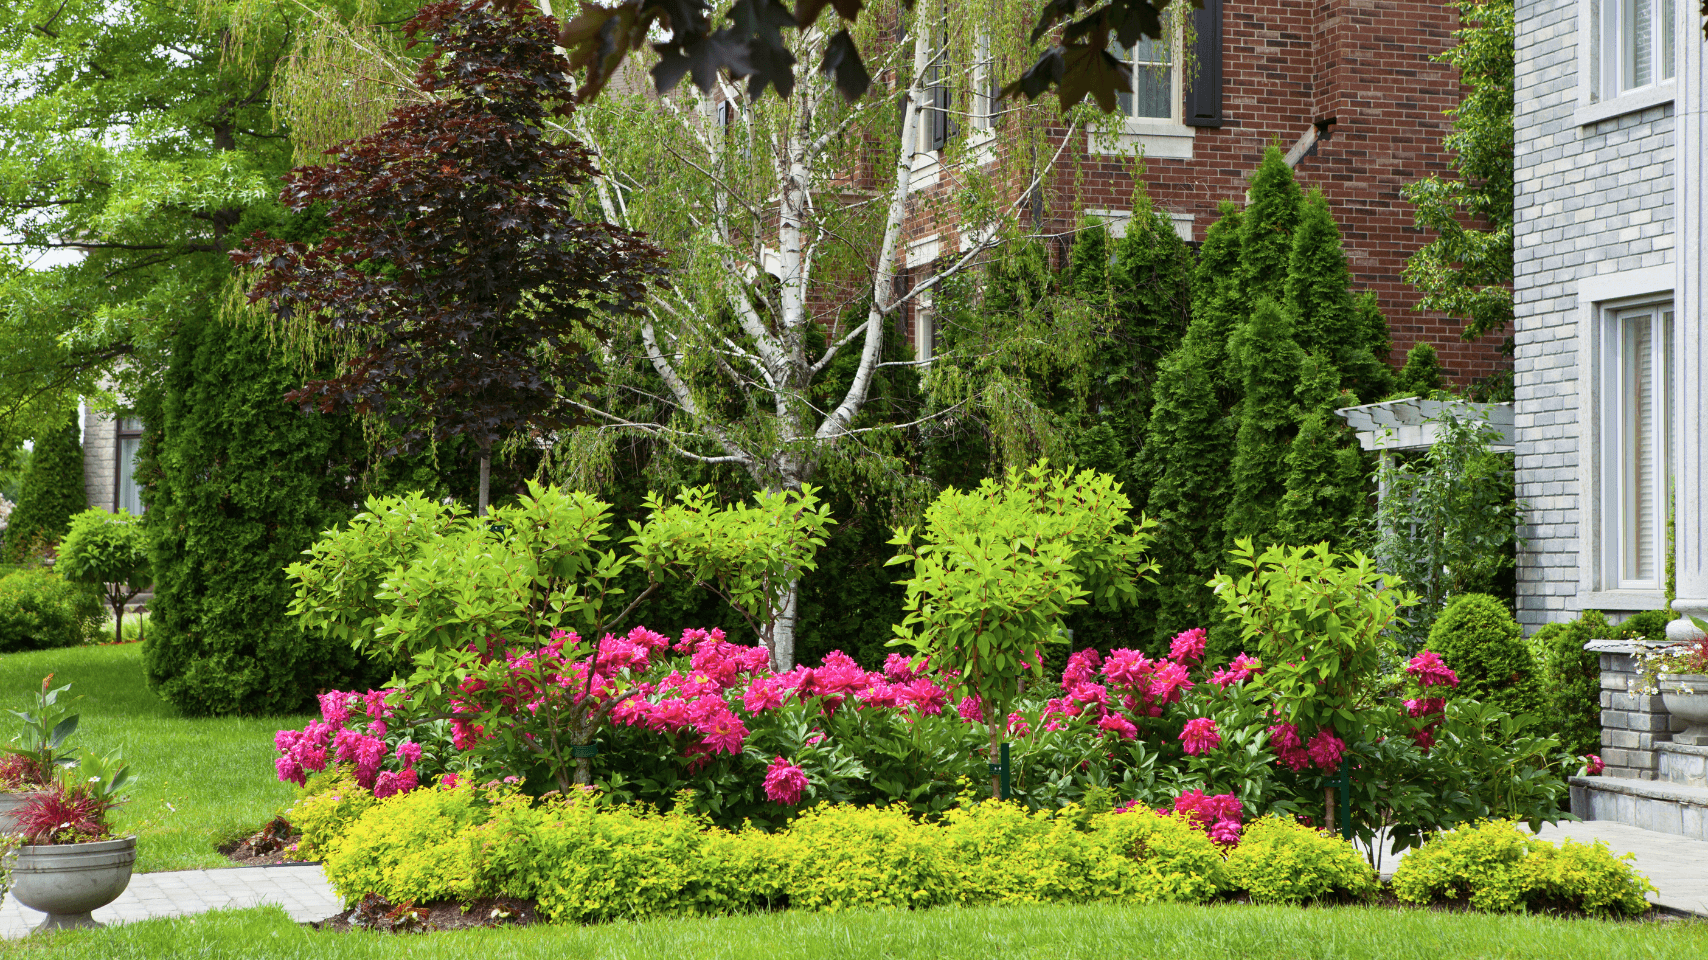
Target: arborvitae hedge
[[1421, 375], [52, 492], [1328, 319], [238, 482], [1270, 360], [1266, 230]]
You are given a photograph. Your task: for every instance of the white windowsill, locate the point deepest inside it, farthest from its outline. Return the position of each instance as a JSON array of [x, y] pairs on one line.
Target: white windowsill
[[1623, 600], [1636, 100], [1154, 138], [926, 164], [981, 146]]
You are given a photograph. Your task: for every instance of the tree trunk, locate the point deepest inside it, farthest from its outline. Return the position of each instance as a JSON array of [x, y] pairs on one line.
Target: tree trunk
[[485, 480], [118, 621], [783, 630]]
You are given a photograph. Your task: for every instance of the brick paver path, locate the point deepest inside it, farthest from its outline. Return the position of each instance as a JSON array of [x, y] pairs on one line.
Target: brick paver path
[[301, 890], [1676, 865]]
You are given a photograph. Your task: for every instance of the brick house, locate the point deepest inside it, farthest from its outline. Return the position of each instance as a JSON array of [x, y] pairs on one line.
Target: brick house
[[1607, 236], [1347, 87]]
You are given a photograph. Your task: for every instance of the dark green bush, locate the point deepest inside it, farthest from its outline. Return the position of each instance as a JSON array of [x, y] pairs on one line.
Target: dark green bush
[[238, 482], [1573, 678], [1478, 638], [1649, 625], [52, 492], [40, 609]]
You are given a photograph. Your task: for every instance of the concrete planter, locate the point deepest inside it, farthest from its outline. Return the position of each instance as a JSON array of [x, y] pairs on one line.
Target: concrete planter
[[10, 805], [1685, 696], [67, 881]]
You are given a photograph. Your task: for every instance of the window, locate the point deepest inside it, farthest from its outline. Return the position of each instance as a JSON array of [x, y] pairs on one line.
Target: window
[[1631, 45], [126, 494], [1636, 444], [1154, 93], [985, 105]]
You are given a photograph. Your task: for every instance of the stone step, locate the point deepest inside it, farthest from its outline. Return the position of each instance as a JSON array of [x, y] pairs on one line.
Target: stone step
[[1685, 764], [1657, 805]]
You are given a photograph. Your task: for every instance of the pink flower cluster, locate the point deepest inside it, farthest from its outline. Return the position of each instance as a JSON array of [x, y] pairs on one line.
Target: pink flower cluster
[[1139, 684], [1200, 736], [1592, 765], [1324, 750], [1218, 816], [1241, 669], [332, 739], [1429, 670], [784, 782]]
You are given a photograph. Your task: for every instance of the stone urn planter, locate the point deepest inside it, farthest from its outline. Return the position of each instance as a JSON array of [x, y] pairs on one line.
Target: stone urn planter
[[1685, 696], [67, 881], [10, 804]]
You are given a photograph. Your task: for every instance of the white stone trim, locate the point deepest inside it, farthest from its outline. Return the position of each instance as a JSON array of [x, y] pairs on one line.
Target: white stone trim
[[1603, 287], [1152, 138], [1640, 99], [1622, 600]]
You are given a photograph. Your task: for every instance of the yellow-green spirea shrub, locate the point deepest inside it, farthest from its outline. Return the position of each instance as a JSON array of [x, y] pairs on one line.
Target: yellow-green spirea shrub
[[1500, 868], [1281, 861], [330, 803], [846, 857], [1144, 857], [413, 847]]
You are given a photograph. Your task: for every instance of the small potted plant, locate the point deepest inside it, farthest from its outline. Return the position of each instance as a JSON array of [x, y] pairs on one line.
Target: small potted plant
[[69, 864], [28, 765], [1679, 672]]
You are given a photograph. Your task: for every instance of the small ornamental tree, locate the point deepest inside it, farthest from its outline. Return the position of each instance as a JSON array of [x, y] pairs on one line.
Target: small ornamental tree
[[996, 569], [460, 286], [110, 550]]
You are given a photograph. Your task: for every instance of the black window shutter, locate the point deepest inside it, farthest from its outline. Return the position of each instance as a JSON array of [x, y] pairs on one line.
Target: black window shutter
[[940, 98], [1204, 93]]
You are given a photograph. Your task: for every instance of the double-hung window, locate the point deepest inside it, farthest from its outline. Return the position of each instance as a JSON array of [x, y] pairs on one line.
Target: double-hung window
[[1155, 90], [126, 494], [1636, 444], [1631, 45]]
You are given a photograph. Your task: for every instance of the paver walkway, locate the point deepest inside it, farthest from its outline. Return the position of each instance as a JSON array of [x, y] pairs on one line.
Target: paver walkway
[[301, 890], [1676, 865]]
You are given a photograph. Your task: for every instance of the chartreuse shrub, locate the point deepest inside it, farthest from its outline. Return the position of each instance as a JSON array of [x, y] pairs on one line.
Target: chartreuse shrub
[[1281, 861], [1481, 642], [330, 803], [1499, 868], [40, 610], [585, 860]]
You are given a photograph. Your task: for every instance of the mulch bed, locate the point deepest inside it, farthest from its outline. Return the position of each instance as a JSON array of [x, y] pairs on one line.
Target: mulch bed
[[273, 845], [374, 913]]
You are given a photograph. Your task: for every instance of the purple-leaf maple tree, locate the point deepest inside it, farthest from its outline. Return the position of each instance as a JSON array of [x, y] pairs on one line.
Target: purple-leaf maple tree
[[455, 266]]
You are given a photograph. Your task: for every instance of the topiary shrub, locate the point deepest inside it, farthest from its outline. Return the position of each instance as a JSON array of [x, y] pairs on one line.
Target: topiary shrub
[[108, 552], [1573, 679], [1499, 868], [1282, 861], [1480, 641], [52, 492], [40, 609]]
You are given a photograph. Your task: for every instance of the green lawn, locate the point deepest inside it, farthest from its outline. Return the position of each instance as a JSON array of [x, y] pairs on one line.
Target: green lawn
[[202, 781], [1015, 933]]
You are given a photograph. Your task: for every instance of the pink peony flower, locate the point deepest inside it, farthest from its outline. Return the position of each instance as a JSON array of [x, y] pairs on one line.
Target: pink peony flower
[[1593, 766], [369, 753], [1430, 671], [1017, 726], [1201, 736], [1115, 723], [335, 707], [767, 693], [1326, 750], [391, 783], [1241, 669], [1426, 707], [1129, 668], [724, 732], [784, 782], [290, 770], [1284, 737], [900, 669], [1187, 647], [970, 709], [927, 697], [449, 781], [1081, 667], [1169, 683], [668, 715], [1225, 832], [409, 752], [1424, 738]]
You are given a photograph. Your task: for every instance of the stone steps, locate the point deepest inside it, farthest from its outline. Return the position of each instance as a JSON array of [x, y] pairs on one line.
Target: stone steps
[[1676, 804]]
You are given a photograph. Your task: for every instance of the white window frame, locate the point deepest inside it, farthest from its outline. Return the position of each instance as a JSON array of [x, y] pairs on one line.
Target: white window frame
[[1604, 89], [1116, 222], [1159, 137], [1602, 302]]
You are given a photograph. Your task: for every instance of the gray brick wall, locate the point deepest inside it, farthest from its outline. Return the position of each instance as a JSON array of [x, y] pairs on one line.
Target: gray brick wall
[[99, 429], [1589, 200]]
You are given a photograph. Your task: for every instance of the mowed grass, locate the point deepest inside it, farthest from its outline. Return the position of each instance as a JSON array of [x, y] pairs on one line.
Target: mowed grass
[[1012, 933], [202, 781]]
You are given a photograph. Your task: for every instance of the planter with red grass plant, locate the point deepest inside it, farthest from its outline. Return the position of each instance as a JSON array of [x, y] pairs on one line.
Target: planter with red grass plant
[[69, 863], [28, 767]]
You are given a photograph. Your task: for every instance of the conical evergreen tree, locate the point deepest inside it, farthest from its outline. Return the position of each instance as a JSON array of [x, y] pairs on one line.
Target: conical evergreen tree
[[1327, 319], [1266, 230], [1327, 474], [238, 483], [1189, 443], [51, 493], [1421, 375], [1373, 330], [1270, 362]]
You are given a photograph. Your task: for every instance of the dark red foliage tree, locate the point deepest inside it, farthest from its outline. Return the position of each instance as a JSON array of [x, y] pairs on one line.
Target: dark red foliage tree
[[455, 264]]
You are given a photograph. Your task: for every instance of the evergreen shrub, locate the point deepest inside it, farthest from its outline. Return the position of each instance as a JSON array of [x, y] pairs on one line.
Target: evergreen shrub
[[1573, 678], [52, 492], [1283, 861], [1499, 868], [238, 482], [1480, 641], [39, 610]]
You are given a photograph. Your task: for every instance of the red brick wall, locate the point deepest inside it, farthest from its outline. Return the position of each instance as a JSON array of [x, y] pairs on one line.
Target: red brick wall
[[1286, 65]]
